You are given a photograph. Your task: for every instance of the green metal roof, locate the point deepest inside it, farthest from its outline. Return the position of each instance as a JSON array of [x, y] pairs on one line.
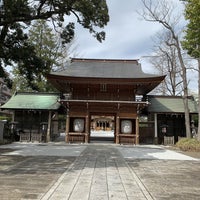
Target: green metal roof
[[33, 101], [169, 104]]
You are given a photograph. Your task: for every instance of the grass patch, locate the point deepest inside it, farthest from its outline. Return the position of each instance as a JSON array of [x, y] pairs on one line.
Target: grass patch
[[188, 144]]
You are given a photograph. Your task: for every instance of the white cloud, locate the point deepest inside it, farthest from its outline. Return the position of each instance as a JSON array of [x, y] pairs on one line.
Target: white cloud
[[127, 36]]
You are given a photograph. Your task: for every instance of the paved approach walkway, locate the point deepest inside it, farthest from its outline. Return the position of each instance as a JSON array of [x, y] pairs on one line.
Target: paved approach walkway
[[97, 172]]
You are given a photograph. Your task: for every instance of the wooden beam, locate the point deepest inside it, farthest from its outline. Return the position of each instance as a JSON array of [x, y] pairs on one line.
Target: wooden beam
[[104, 101]]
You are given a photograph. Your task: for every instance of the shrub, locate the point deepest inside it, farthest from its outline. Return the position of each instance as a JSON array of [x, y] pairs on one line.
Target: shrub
[[188, 144]]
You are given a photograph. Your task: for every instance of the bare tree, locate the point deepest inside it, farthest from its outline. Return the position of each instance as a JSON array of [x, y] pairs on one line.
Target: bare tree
[[166, 62], [161, 11]]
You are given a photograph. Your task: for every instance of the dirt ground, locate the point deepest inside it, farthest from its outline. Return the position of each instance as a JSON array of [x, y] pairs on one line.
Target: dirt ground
[[188, 153], [192, 154]]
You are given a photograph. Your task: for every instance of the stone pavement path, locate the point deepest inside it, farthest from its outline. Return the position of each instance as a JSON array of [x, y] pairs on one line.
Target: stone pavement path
[[96, 172], [99, 173]]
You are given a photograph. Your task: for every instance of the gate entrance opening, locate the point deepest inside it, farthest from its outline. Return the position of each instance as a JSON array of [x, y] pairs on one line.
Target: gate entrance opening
[[102, 128]]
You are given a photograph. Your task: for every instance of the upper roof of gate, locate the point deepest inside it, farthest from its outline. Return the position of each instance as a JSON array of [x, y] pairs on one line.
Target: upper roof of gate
[[103, 68]]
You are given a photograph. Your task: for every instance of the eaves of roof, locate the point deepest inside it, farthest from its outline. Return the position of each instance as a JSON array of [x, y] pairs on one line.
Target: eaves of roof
[[169, 104], [101, 68], [33, 101]]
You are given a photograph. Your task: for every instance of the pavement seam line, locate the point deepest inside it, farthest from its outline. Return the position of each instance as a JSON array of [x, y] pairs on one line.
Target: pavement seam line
[[137, 179], [141, 185], [92, 178], [106, 165], [79, 175], [56, 184], [117, 166]]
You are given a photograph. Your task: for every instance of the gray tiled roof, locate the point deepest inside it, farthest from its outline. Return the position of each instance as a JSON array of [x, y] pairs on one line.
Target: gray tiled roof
[[99, 68], [169, 104]]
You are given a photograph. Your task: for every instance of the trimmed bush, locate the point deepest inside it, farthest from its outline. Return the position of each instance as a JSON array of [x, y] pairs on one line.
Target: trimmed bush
[[188, 144]]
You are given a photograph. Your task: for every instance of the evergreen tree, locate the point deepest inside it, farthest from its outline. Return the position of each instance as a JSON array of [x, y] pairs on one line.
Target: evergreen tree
[[17, 15], [191, 40], [49, 49]]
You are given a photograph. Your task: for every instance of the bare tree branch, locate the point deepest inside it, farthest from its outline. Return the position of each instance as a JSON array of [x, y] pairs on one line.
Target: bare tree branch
[[161, 12]]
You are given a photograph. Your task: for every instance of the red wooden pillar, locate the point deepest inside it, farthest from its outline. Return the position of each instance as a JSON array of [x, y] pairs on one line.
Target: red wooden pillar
[[117, 129], [137, 130], [49, 128], [87, 128], [67, 128]]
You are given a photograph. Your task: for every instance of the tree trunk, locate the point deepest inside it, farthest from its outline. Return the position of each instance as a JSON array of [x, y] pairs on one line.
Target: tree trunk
[[198, 133], [162, 14], [185, 89]]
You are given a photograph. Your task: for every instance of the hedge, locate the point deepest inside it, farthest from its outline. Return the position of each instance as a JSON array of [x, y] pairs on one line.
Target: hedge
[[188, 144]]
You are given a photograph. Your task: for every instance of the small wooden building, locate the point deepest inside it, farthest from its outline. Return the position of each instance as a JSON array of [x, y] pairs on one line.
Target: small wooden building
[[168, 116], [103, 94], [35, 115]]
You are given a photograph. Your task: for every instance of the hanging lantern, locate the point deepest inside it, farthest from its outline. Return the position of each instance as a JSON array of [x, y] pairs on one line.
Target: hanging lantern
[[78, 125], [126, 126]]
